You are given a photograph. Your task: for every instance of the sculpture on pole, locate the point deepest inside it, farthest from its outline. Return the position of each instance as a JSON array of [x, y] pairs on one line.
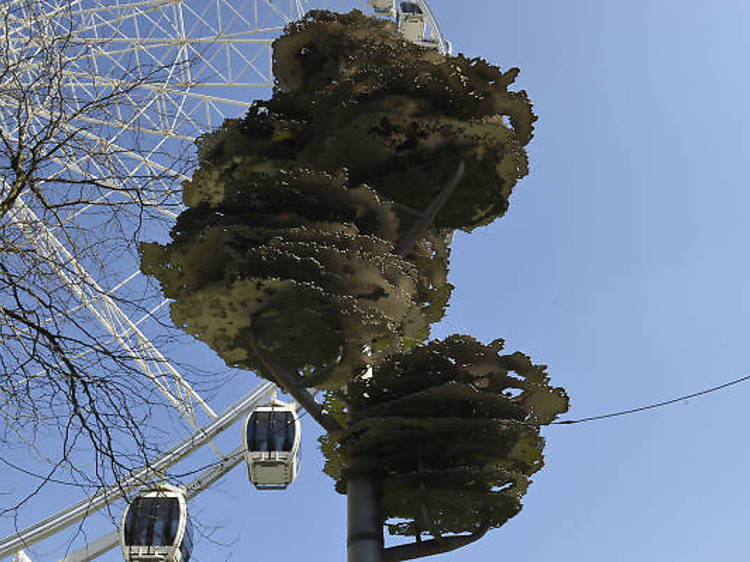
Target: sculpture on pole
[[315, 251]]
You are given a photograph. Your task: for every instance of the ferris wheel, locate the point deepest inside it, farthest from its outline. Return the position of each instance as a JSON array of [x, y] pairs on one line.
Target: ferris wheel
[[139, 81]]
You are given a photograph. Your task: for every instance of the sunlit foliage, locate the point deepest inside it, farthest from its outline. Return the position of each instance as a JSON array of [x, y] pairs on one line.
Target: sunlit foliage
[[451, 430], [351, 92], [299, 258], [295, 231]]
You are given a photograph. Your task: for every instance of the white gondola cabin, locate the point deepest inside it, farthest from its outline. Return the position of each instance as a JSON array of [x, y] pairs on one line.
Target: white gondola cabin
[[411, 22], [384, 6], [271, 440], [155, 526]]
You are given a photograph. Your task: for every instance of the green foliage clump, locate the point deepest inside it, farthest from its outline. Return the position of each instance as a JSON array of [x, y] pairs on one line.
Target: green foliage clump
[[451, 430], [294, 237], [351, 92], [299, 259]]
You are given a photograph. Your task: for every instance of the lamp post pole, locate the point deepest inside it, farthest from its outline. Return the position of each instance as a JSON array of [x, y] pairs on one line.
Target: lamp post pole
[[364, 541]]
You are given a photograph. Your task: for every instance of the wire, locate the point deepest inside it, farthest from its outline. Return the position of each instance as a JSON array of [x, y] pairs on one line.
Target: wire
[[655, 405], [561, 422]]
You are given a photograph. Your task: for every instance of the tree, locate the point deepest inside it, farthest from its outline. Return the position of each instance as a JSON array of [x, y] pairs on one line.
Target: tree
[[315, 251], [450, 430], [70, 205]]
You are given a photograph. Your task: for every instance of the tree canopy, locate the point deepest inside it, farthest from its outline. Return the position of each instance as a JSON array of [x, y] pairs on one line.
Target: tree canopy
[[451, 430], [351, 92], [299, 258], [294, 239]]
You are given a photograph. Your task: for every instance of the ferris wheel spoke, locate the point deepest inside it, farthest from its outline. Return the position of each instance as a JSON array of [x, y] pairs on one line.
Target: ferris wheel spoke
[[118, 150], [204, 480], [41, 374], [78, 511], [206, 18], [169, 112], [249, 63], [109, 17], [225, 55], [169, 74], [125, 171], [287, 18], [113, 150], [81, 20], [154, 365], [118, 185], [242, 36], [178, 88], [23, 21]]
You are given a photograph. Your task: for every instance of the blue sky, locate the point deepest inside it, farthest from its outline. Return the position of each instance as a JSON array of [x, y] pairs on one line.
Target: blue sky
[[621, 264]]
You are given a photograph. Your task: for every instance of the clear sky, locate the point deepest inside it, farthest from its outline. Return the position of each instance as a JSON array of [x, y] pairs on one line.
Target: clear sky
[[621, 264]]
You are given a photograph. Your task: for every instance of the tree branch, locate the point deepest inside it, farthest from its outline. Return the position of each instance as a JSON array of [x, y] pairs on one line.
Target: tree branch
[[434, 546], [431, 212], [290, 384]]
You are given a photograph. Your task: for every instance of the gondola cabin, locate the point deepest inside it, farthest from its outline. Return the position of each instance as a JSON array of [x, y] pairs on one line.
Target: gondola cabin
[[271, 441], [411, 22], [155, 526], [384, 6]]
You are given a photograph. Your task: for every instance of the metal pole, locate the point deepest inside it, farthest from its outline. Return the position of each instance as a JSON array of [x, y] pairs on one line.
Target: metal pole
[[364, 541]]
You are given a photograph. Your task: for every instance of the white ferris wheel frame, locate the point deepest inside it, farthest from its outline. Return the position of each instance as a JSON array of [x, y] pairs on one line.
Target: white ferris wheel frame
[[124, 331]]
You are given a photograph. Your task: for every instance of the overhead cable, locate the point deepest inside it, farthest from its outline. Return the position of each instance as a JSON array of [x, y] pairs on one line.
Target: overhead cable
[[655, 405]]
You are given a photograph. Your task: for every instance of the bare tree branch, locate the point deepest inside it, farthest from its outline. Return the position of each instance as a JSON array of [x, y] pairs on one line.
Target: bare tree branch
[[60, 371]]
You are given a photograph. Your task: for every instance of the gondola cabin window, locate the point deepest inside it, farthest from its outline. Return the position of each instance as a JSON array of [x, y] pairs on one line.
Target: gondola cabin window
[[410, 8], [271, 431], [152, 522], [155, 526]]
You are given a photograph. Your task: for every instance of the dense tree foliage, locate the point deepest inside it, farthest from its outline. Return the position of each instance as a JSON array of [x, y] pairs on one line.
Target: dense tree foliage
[[451, 430], [294, 239], [351, 92], [299, 258]]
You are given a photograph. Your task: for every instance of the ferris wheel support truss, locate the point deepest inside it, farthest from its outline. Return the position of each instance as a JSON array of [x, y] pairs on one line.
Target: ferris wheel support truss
[[168, 380], [111, 540], [78, 511], [177, 391]]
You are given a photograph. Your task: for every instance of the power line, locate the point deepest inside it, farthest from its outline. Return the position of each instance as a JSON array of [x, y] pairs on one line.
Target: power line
[[655, 405], [560, 422]]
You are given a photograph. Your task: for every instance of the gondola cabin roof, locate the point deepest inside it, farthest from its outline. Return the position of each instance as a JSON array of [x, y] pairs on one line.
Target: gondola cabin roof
[[384, 6]]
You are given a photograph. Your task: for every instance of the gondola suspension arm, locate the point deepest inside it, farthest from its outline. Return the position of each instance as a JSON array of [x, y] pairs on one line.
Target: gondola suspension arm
[[433, 546]]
